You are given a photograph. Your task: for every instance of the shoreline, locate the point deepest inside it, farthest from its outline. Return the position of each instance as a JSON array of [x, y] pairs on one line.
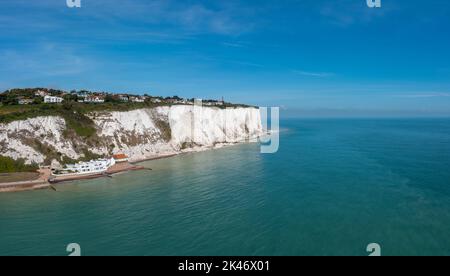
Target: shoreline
[[118, 168], [32, 185], [46, 180], [41, 182]]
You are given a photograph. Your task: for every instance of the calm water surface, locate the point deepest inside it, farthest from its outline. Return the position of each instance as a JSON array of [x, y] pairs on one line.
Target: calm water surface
[[334, 187]]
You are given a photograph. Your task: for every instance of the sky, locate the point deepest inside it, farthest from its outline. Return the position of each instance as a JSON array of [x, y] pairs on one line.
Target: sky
[[309, 57]]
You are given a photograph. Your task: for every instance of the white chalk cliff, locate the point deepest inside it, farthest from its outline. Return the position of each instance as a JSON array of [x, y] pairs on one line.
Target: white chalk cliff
[[141, 134]]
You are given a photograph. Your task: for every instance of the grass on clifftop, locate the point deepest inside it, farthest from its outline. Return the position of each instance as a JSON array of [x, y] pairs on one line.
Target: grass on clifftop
[[10, 113], [74, 113]]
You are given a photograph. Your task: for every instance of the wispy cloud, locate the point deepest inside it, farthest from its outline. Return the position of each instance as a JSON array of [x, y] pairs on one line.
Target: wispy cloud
[[44, 59], [246, 63], [177, 18], [348, 12], [424, 95], [313, 74], [233, 44], [223, 18]]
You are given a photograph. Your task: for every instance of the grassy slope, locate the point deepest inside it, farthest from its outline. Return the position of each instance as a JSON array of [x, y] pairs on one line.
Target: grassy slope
[[21, 112]]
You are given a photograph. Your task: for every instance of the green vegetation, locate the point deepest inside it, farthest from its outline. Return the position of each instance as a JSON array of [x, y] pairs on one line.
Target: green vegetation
[[77, 121], [9, 165], [43, 148], [79, 110], [88, 156], [73, 112], [187, 145], [164, 127], [75, 105], [75, 117]]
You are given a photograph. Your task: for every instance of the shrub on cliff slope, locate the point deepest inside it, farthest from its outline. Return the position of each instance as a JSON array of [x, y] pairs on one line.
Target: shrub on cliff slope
[[72, 114], [82, 125], [8, 165]]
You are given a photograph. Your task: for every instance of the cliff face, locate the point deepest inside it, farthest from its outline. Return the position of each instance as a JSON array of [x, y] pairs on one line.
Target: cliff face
[[141, 134]]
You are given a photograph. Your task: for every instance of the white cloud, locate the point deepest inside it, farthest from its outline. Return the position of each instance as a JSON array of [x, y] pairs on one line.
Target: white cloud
[[314, 74], [233, 44], [425, 95], [348, 12], [44, 59], [224, 18]]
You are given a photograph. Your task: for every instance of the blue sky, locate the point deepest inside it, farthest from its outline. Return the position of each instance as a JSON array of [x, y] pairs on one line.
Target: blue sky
[[306, 56]]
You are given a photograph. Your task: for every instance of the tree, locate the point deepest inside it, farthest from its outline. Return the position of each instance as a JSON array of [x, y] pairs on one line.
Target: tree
[[11, 100], [67, 105], [111, 99], [70, 98], [38, 100]]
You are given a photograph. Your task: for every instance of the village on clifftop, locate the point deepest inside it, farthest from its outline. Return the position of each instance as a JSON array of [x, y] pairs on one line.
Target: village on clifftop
[[30, 96]]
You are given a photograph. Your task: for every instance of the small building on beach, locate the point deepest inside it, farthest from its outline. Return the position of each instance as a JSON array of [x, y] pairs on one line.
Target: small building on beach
[[91, 167], [120, 158]]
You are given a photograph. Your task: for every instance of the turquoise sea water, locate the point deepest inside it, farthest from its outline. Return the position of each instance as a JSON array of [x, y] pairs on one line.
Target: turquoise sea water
[[334, 187]]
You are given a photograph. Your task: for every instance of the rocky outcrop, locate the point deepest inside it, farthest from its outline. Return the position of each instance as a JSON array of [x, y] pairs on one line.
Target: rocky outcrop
[[141, 134]]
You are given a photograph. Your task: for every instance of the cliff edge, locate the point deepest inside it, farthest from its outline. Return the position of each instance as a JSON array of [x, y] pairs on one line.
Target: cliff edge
[[141, 134]]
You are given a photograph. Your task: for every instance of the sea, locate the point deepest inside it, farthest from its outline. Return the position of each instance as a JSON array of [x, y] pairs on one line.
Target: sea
[[334, 187]]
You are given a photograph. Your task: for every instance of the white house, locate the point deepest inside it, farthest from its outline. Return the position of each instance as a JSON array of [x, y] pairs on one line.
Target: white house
[[41, 93], [214, 103], [137, 99], [25, 101], [94, 99], [124, 98], [155, 100], [52, 99]]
